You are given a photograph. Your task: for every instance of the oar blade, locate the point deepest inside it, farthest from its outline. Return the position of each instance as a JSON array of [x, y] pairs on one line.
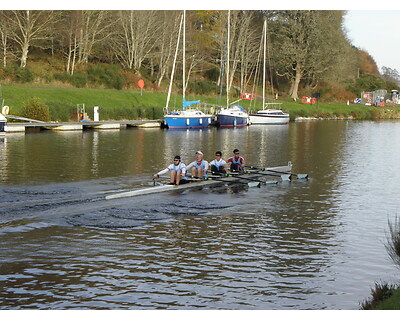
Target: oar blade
[[286, 177], [254, 184], [302, 176]]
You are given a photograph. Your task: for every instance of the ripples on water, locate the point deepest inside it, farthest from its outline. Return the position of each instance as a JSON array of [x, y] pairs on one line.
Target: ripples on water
[[314, 244]]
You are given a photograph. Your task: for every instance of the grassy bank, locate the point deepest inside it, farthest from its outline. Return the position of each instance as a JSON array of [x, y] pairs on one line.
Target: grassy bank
[[124, 104], [383, 297]]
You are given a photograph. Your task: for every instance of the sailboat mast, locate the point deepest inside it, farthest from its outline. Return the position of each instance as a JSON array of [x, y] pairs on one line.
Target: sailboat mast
[[184, 56], [173, 66], [227, 58], [265, 46]]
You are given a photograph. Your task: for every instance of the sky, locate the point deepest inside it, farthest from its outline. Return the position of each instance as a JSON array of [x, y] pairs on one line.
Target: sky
[[378, 33]]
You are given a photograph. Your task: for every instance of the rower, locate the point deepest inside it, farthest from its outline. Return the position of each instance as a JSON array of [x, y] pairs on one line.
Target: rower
[[199, 167], [177, 171], [237, 162], [218, 165]]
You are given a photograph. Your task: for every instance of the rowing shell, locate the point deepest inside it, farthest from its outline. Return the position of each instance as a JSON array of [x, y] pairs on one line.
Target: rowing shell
[[168, 187], [250, 176]]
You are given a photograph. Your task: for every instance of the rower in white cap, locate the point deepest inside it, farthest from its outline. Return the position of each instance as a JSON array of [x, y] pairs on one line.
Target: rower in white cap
[[199, 167]]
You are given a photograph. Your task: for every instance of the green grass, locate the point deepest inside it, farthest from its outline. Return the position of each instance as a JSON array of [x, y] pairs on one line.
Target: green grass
[[384, 296], [391, 303], [114, 104], [127, 104]]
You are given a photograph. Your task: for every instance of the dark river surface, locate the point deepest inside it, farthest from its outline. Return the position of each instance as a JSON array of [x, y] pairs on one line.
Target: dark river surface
[[316, 244]]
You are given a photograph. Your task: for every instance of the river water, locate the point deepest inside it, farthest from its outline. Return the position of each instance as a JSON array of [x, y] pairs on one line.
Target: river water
[[316, 244]]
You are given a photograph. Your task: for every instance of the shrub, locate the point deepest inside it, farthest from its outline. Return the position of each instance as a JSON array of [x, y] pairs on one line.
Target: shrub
[[60, 111], [366, 83], [23, 74], [107, 75], [201, 87], [79, 79], [35, 109], [63, 77], [212, 74]]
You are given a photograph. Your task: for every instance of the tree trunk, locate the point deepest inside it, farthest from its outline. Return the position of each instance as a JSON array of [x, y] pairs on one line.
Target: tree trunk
[[295, 83], [24, 55], [4, 43]]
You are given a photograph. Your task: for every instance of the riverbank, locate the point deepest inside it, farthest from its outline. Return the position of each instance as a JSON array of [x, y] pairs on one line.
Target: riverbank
[[383, 297], [132, 105]]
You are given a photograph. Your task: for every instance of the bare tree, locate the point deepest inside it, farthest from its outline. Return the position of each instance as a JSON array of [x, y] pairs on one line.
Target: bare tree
[[68, 38], [4, 38], [164, 49], [28, 27], [243, 46], [136, 37], [92, 27]]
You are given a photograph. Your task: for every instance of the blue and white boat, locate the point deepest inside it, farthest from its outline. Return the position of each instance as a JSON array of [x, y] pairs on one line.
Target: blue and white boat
[[233, 116], [3, 123], [188, 118]]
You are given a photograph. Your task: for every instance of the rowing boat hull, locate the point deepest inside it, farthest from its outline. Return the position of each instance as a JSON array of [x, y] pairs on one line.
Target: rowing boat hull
[[164, 188]]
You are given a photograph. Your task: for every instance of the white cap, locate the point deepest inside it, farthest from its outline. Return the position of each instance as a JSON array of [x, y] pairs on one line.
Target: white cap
[[199, 152]]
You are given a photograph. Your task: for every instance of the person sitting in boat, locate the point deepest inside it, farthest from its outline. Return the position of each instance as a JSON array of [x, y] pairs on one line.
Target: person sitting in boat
[[177, 171], [218, 165], [199, 167], [237, 162]]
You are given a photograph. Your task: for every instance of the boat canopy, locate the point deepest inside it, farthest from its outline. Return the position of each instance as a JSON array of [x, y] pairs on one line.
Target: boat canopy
[[238, 107], [188, 103]]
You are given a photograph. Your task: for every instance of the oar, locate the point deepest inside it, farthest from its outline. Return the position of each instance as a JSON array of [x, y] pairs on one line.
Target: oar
[[254, 183], [298, 176], [238, 175], [284, 177]]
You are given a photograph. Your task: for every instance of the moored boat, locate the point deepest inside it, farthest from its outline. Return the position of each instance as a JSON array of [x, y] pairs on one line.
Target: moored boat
[[233, 116], [3, 122], [187, 119], [269, 116]]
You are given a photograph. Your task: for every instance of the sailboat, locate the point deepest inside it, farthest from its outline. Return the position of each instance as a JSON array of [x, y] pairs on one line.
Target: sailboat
[[187, 118], [233, 115], [268, 116]]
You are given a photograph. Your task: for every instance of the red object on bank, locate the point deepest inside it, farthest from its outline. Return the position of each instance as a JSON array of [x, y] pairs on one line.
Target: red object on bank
[[247, 96], [140, 84], [308, 100]]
